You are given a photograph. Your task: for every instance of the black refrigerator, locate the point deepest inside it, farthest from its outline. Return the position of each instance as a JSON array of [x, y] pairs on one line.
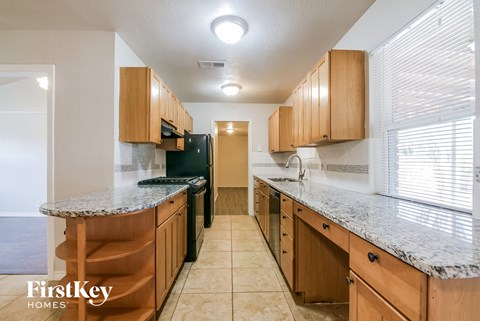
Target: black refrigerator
[[195, 160]]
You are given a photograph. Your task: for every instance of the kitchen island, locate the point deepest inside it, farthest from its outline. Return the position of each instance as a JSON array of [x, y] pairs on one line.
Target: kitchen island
[[127, 242], [410, 261]]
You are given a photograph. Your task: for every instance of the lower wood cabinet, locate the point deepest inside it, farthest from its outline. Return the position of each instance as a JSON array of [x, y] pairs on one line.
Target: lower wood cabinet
[[367, 304], [171, 246]]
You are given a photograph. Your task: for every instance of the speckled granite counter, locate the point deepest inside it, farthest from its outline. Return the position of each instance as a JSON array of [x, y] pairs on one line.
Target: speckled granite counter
[[110, 202], [442, 243]]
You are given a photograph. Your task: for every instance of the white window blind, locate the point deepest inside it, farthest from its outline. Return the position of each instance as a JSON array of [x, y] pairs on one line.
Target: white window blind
[[423, 104]]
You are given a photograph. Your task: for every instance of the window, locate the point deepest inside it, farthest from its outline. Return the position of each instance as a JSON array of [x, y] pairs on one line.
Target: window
[[423, 105]]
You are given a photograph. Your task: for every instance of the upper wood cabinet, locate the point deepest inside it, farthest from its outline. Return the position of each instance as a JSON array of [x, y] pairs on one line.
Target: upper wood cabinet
[[140, 106], [280, 130], [146, 101], [329, 104]]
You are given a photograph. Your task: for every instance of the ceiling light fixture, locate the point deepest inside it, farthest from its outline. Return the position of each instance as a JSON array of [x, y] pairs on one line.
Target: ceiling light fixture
[[229, 29], [230, 130], [231, 89]]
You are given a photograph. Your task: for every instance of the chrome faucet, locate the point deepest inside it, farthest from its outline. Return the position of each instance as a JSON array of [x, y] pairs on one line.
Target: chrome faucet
[[301, 171]]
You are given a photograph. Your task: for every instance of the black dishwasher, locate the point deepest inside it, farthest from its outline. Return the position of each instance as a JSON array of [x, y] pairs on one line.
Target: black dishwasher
[[274, 223]]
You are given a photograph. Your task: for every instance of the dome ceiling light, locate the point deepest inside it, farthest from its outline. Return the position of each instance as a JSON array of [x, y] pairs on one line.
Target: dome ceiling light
[[231, 89], [229, 29]]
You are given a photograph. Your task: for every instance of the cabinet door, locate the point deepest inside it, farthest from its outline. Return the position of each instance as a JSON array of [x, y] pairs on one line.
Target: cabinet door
[[155, 117], [256, 203], [315, 104], [161, 265], [347, 94], [182, 235], [271, 148], [324, 100], [366, 304], [164, 103], [306, 105], [300, 115], [295, 118]]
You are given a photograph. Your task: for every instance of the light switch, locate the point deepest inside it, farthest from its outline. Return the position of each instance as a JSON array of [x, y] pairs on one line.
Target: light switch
[[259, 148]]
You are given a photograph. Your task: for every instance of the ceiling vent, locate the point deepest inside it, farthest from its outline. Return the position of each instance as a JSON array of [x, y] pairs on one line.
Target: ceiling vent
[[211, 64]]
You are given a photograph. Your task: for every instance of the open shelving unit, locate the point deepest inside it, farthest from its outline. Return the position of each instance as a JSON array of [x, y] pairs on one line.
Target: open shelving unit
[[115, 251]]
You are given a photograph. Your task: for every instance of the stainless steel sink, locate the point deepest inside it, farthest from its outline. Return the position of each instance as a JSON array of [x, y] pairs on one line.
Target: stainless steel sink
[[284, 179]]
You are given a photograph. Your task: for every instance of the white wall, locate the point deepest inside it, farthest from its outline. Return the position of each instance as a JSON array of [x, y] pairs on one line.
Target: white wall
[[23, 146], [84, 77], [132, 161]]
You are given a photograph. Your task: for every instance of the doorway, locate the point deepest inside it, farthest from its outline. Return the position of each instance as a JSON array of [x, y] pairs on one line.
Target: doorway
[[25, 101], [232, 167]]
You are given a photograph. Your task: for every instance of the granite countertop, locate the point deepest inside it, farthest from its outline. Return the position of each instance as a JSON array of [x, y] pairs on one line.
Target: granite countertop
[[442, 243], [113, 201]]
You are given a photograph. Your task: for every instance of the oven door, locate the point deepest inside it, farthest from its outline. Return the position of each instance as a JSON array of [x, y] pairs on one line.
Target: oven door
[[199, 209]]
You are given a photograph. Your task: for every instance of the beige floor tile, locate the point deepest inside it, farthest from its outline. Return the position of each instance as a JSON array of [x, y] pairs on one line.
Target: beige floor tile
[[217, 235], [242, 218], [248, 245], [19, 310], [251, 260], [6, 299], [316, 312], [281, 279], [182, 276], [56, 316], [208, 281], [222, 219], [246, 235], [261, 307], [244, 226], [204, 307], [169, 307], [17, 284], [216, 226], [3, 276], [216, 246], [255, 280], [213, 260]]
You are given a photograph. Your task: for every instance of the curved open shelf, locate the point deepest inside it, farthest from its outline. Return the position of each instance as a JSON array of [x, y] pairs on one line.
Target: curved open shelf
[[98, 251], [122, 285], [139, 314]]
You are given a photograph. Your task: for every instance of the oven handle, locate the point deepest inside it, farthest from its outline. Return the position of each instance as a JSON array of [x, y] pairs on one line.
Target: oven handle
[[201, 193]]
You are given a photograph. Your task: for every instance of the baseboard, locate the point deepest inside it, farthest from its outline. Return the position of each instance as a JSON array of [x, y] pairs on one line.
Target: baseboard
[[21, 214]]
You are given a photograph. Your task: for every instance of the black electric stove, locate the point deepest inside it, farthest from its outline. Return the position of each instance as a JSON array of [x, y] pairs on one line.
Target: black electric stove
[[196, 208]]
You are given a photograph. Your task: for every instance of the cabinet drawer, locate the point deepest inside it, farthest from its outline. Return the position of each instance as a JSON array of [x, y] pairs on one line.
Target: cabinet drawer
[[329, 229], [287, 240], [286, 263], [264, 188], [366, 304], [286, 205], [287, 223], [402, 285], [256, 183], [170, 206]]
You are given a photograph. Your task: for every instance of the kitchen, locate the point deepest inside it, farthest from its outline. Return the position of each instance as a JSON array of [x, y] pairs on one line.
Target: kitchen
[[88, 155]]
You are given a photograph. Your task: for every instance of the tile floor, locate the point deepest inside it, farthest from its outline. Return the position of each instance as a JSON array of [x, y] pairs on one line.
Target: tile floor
[[234, 278]]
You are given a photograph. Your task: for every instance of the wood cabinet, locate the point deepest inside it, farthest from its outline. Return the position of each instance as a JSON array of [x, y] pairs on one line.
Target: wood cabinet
[[280, 130], [287, 237], [329, 104], [263, 207], [173, 144], [171, 244], [256, 199], [140, 105], [321, 265], [146, 101], [366, 304], [116, 251]]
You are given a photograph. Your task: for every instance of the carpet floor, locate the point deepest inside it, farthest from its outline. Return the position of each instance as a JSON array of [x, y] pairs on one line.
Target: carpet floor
[[232, 201], [23, 245]]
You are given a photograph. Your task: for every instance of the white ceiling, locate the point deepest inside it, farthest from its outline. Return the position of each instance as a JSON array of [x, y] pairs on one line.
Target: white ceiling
[[285, 38]]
